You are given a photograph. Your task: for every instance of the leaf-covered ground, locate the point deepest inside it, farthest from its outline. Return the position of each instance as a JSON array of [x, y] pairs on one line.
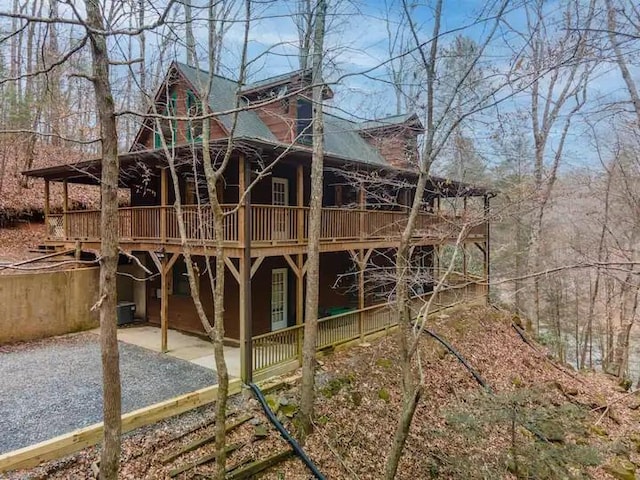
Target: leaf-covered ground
[[541, 421]]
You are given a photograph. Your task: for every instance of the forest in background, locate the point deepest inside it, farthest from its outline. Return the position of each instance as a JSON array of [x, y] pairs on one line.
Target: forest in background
[[554, 130]]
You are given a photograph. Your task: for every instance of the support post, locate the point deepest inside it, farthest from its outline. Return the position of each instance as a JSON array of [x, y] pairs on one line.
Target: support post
[[164, 197], [244, 236], [487, 245], [464, 253], [164, 304], [65, 208], [299, 303], [362, 200], [300, 202], [46, 207], [361, 267]]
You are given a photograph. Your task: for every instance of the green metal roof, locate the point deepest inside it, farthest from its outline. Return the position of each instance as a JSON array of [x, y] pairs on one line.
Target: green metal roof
[[222, 97], [342, 137], [388, 121], [275, 79]]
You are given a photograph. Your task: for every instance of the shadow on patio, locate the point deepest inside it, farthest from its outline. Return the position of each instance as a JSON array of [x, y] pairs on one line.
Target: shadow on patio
[[187, 347]]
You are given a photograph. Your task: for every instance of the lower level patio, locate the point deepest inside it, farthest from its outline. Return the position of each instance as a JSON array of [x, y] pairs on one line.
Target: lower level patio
[[184, 346]]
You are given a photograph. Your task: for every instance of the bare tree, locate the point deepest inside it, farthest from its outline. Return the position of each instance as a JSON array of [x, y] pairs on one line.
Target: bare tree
[[558, 92], [439, 125], [110, 457], [315, 210]]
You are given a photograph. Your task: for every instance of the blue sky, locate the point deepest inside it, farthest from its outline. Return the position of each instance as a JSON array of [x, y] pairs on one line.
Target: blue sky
[[357, 42]]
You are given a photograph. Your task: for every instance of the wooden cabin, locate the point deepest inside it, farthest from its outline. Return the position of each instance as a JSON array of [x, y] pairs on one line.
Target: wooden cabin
[[265, 237]]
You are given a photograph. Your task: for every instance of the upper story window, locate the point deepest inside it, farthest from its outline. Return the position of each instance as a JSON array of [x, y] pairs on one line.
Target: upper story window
[[194, 109], [304, 117], [168, 128]]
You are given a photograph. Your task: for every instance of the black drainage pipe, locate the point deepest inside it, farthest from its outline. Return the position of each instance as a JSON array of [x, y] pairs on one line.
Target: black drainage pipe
[[276, 423], [462, 360]]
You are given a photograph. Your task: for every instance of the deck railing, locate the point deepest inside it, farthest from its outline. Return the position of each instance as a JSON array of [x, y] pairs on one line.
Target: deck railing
[[282, 346], [270, 224]]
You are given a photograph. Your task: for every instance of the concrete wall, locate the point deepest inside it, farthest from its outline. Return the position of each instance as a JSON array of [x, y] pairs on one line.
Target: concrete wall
[[39, 305], [130, 290]]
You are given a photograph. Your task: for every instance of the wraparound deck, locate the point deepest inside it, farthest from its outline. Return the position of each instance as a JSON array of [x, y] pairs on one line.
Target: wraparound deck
[[272, 228]]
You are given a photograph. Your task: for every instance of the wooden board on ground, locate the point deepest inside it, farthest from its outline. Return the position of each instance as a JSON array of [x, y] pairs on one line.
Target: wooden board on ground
[[258, 466], [202, 460], [75, 441], [190, 447]]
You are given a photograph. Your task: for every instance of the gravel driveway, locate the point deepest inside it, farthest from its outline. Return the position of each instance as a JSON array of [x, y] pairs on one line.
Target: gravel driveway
[[54, 386]]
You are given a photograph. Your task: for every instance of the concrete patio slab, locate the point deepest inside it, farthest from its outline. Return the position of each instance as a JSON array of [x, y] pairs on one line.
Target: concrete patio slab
[[181, 345]]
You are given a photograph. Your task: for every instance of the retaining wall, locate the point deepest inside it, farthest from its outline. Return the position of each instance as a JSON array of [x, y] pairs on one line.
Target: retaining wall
[[39, 305]]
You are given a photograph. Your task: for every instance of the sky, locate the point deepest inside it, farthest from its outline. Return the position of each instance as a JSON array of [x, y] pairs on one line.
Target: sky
[[357, 46]]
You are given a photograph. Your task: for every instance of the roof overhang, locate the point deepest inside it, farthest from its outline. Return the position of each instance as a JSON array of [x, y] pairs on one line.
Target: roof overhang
[[133, 163]]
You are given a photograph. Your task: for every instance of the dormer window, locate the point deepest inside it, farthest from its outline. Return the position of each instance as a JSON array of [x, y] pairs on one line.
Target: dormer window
[[194, 109], [304, 133]]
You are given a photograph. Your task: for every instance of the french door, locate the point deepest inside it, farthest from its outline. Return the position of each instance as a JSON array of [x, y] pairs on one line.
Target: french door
[[278, 299], [280, 198]]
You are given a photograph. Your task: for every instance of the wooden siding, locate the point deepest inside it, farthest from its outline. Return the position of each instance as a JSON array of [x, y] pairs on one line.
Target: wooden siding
[[280, 118], [183, 315], [179, 88], [397, 145]]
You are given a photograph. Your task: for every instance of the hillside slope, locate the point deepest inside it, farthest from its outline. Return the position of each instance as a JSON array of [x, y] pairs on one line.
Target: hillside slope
[[541, 420], [457, 431]]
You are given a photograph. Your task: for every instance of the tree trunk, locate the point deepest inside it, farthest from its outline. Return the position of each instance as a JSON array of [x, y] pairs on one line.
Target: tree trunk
[[110, 457], [315, 211], [191, 41]]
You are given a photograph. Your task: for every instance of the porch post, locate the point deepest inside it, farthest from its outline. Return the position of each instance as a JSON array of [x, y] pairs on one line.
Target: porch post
[[46, 206], [65, 207], [487, 245], [299, 303], [361, 266], [244, 236], [436, 249], [164, 304], [362, 200], [464, 246], [300, 202], [164, 197], [300, 262]]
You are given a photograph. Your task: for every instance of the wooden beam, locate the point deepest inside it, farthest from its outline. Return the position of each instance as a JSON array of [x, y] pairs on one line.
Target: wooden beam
[[194, 445], [292, 264], [257, 466], [300, 202], [171, 262], [299, 304], [487, 245], [164, 305], [244, 279], [65, 208], [77, 440], [156, 261], [361, 267], [256, 265], [242, 186], [202, 460], [164, 198], [47, 205], [362, 201], [232, 268]]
